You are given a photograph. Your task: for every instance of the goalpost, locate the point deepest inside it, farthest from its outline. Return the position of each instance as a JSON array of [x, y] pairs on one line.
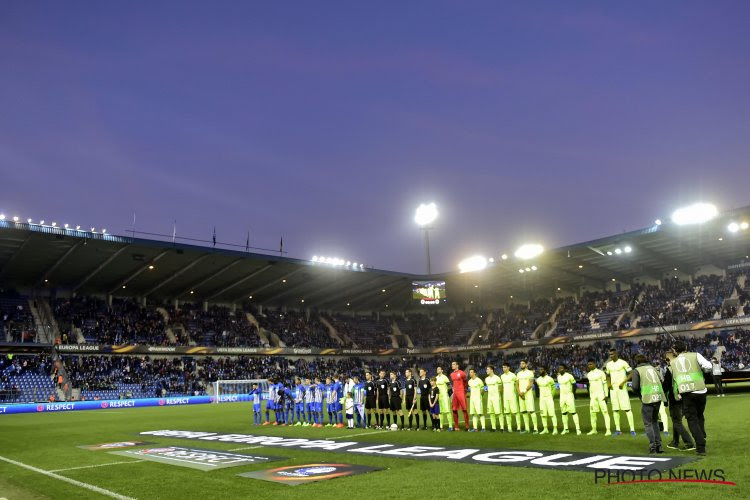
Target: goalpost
[[238, 390]]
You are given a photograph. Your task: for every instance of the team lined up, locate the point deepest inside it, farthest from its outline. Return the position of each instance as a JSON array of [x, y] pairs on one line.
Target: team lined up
[[504, 399]]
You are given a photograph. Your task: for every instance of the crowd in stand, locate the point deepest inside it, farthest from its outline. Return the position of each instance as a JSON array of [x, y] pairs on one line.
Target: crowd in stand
[[125, 321], [440, 330], [296, 328], [191, 375], [215, 326], [16, 321]]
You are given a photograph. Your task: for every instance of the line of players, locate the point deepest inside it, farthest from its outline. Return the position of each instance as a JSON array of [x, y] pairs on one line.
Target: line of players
[[383, 402]]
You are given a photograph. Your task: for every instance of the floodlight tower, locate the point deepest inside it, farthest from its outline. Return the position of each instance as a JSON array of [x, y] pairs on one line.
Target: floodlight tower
[[424, 217]]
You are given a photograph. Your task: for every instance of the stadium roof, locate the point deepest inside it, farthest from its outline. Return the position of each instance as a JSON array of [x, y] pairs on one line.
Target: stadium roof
[[35, 257]]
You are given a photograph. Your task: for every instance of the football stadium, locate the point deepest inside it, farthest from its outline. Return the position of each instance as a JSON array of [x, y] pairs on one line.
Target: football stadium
[[138, 362], [189, 356]]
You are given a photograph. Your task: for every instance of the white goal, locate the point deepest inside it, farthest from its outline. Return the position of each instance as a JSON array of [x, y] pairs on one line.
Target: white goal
[[227, 391]]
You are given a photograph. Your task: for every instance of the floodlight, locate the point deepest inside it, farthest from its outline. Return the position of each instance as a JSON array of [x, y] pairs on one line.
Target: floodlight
[[66, 226], [2, 216], [733, 227], [529, 251], [618, 251], [473, 263], [697, 213], [315, 258], [528, 269], [628, 249], [521, 271], [657, 222], [15, 219], [28, 221], [492, 260], [743, 225], [54, 224], [78, 228], [534, 268], [426, 214], [504, 256], [609, 252]]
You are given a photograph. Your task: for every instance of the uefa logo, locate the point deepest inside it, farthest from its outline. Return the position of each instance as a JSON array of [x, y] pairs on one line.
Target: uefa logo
[[105, 404], [40, 408], [161, 402], [308, 471]]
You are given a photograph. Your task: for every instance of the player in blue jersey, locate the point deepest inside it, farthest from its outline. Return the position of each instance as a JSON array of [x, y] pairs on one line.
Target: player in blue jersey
[[359, 402], [280, 403], [309, 405], [318, 402], [330, 397], [299, 405], [255, 395], [338, 408], [270, 401], [289, 417]]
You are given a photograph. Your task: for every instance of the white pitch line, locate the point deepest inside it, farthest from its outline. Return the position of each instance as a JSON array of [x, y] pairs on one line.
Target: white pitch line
[[86, 486], [245, 448], [359, 434], [96, 465]]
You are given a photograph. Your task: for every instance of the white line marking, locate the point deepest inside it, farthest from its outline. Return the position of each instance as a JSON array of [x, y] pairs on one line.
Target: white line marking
[[86, 486], [96, 465], [245, 448], [359, 434]]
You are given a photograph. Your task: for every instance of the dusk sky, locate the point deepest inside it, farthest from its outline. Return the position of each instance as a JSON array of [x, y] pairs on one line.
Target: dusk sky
[[329, 122]]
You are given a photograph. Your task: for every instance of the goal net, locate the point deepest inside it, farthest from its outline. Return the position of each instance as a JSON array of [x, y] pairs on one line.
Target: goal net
[[227, 391]]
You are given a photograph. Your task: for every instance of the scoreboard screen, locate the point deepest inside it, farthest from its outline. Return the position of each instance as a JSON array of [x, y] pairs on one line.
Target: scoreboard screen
[[428, 292]]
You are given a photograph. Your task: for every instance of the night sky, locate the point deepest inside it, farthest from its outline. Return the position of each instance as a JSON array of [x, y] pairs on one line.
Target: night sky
[[329, 122]]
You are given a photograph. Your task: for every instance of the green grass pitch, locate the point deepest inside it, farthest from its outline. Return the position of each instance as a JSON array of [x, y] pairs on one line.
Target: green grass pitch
[[49, 442]]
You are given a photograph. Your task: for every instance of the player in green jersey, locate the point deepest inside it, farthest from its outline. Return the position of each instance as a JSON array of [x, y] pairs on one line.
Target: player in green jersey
[[494, 408], [617, 377], [510, 397], [444, 400], [476, 392], [567, 382], [546, 386], [526, 403], [598, 394]]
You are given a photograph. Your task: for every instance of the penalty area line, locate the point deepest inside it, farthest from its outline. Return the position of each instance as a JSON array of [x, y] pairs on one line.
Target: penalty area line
[[68, 480]]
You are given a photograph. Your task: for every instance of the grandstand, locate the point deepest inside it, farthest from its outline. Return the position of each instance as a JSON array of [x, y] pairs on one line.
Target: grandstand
[[148, 323], [97, 293]]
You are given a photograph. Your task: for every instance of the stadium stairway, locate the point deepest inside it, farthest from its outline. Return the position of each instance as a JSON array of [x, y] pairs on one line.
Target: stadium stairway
[[168, 330], [332, 332], [38, 323], [263, 334], [52, 329], [80, 339], [397, 334], [483, 330]]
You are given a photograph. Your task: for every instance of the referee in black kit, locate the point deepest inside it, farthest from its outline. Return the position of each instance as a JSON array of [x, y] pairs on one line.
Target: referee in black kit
[[410, 398], [423, 386]]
